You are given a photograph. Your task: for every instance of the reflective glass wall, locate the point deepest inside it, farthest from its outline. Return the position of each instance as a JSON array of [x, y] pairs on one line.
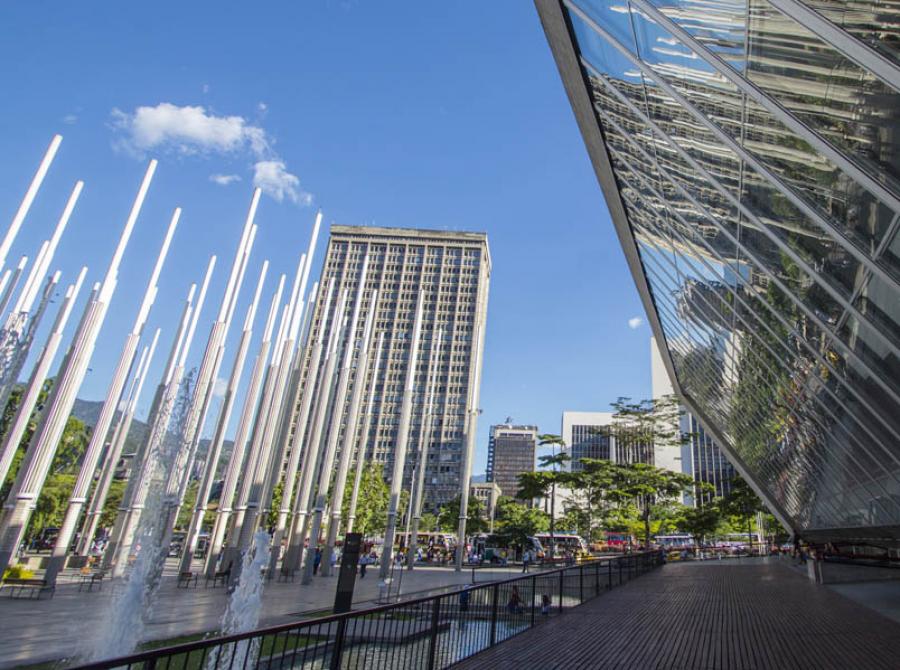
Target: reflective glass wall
[[759, 168]]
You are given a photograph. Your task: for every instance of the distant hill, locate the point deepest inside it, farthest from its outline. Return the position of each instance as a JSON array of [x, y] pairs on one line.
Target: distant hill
[[479, 479], [89, 411]]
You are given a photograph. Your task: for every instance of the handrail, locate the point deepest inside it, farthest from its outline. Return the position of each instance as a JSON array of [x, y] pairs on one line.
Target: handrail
[[296, 626]]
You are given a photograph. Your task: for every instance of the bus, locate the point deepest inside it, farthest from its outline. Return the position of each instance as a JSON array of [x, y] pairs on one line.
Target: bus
[[564, 543], [676, 541]]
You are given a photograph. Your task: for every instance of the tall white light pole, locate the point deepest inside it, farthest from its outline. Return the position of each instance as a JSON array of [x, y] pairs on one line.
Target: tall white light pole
[[9, 282], [20, 421], [303, 403], [241, 463], [279, 405], [364, 436], [30, 194], [415, 504], [314, 451], [349, 441], [402, 442], [208, 372], [260, 447], [20, 326], [52, 425], [215, 447], [135, 496], [465, 473], [300, 449], [108, 411], [116, 446], [337, 415]]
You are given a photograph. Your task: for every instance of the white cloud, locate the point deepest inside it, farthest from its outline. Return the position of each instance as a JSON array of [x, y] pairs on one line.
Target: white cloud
[[186, 130], [274, 180], [224, 179], [70, 119], [194, 131], [635, 322]]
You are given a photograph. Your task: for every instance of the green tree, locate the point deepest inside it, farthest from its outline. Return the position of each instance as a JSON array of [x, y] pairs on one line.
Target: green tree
[[54, 497], [183, 520], [653, 491], [743, 503], [589, 485], [516, 522], [539, 484], [700, 522], [448, 517], [428, 523], [111, 506], [372, 502]]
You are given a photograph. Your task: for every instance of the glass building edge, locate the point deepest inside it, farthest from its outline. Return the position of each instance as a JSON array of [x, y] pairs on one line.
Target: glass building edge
[[557, 30]]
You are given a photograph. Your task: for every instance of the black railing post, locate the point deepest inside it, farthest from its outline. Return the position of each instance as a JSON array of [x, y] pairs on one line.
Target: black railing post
[[435, 620], [562, 585], [581, 583], [533, 594], [596, 579], [338, 649], [621, 560], [609, 566], [495, 600]]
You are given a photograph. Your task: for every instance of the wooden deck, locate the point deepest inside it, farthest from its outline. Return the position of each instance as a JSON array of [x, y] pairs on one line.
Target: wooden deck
[[761, 614]]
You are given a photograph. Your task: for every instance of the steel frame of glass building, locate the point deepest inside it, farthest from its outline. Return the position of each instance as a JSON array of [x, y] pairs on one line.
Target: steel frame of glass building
[[749, 154]]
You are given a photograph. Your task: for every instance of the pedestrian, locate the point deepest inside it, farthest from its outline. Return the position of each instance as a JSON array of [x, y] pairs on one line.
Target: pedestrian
[[514, 604], [317, 560], [526, 559], [334, 558], [545, 605], [363, 562], [464, 600]]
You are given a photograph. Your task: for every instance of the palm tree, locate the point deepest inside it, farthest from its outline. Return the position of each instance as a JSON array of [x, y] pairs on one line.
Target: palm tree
[[554, 460]]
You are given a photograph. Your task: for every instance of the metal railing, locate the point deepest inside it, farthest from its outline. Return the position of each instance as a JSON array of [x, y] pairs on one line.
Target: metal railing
[[432, 632]]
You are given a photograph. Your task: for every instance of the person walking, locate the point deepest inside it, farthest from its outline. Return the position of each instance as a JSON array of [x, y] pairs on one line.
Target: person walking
[[526, 559], [317, 561], [514, 604], [363, 563]]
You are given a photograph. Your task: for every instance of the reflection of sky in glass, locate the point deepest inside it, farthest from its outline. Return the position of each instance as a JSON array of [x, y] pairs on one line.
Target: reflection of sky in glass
[[720, 25], [612, 15], [597, 52]]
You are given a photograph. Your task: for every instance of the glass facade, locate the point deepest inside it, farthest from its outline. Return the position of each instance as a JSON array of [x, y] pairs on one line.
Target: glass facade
[[588, 442], [755, 152]]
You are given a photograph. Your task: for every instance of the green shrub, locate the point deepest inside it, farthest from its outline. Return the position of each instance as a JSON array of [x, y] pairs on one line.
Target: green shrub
[[18, 571]]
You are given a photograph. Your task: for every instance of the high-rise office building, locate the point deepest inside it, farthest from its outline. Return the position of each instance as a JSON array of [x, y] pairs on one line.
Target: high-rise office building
[[749, 156], [699, 455], [511, 452], [587, 435], [451, 270]]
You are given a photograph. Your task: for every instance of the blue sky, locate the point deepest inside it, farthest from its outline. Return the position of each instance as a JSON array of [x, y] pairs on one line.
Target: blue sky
[[433, 115]]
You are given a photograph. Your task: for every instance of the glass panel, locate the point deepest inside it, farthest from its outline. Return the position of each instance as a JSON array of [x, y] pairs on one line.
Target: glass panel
[[872, 22]]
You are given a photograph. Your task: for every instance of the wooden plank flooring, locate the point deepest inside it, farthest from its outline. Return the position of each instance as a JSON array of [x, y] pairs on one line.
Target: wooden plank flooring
[[722, 615]]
